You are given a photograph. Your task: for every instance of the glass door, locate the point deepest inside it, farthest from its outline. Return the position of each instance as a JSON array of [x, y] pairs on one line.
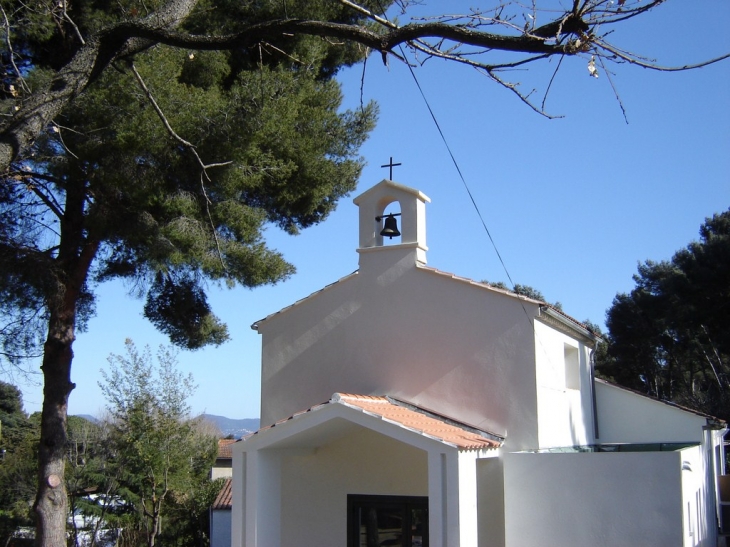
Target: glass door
[[387, 521]]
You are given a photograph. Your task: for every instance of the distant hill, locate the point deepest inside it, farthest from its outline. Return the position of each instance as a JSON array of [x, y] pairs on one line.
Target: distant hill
[[229, 426]]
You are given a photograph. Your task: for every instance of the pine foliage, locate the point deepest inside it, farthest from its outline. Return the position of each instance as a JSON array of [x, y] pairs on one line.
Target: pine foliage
[[669, 336]]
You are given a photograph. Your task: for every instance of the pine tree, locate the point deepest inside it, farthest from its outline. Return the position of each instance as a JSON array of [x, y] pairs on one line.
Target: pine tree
[[165, 172], [668, 337]]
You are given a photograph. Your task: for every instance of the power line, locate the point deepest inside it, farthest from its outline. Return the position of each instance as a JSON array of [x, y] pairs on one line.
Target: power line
[[458, 169]]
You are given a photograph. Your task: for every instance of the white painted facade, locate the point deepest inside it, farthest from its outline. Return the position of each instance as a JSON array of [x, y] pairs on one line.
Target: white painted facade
[[630, 499], [220, 473], [477, 355], [220, 528]]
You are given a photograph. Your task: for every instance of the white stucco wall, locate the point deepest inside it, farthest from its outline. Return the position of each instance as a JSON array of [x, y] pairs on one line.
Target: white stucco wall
[[699, 520], [627, 417], [447, 345], [221, 473], [220, 528], [573, 500], [473, 354], [490, 502], [564, 398]]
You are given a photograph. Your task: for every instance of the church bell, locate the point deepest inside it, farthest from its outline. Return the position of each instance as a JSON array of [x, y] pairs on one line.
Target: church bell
[[391, 227]]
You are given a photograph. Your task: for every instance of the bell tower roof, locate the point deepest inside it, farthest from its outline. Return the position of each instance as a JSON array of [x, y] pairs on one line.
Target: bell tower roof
[[373, 203]]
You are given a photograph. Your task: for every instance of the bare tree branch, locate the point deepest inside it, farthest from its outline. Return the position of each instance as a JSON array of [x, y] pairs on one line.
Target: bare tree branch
[[11, 53], [635, 60], [464, 39], [615, 90]]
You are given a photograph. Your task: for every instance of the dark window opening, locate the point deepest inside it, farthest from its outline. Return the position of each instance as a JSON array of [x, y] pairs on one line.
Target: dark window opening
[[387, 521]]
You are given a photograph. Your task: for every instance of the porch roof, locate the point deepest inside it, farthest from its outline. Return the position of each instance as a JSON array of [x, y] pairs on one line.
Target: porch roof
[[224, 499], [409, 417]]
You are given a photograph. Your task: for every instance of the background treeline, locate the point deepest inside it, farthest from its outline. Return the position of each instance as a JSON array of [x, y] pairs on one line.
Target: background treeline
[[670, 336], [138, 476]]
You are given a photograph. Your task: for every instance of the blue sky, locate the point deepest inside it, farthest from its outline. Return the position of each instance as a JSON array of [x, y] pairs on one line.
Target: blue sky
[[573, 204]]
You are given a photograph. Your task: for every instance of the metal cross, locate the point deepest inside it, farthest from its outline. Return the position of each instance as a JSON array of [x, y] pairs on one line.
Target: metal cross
[[391, 165]]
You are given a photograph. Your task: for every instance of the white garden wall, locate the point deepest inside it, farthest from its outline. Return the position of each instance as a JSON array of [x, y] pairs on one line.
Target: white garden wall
[[619, 499], [700, 525]]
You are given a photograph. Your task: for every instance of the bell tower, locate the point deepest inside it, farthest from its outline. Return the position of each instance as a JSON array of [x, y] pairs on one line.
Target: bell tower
[[374, 221]]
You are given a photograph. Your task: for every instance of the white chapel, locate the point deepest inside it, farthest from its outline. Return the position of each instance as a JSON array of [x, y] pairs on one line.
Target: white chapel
[[406, 406]]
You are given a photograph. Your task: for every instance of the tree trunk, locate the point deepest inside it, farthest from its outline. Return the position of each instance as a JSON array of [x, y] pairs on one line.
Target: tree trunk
[[51, 501], [156, 521], [75, 256]]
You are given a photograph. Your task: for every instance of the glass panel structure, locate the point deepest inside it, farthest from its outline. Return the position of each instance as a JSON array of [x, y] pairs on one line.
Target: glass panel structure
[[387, 521]]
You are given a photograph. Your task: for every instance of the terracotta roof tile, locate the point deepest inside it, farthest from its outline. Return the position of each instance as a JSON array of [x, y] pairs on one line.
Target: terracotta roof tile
[[415, 419], [224, 448], [410, 417], [224, 500]]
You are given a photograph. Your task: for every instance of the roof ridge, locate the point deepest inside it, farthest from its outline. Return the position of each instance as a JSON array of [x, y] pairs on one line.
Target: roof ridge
[[337, 397], [296, 303]]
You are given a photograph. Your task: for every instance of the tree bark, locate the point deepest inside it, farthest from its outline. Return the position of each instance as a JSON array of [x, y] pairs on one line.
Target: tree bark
[[50, 505], [51, 499], [88, 63], [75, 256]]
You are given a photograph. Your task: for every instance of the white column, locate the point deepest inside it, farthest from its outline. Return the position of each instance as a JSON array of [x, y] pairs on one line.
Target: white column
[[263, 499], [238, 500], [437, 506], [443, 499], [468, 513]]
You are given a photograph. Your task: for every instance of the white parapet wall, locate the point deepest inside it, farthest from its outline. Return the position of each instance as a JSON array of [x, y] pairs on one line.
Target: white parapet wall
[[628, 417], [593, 498]]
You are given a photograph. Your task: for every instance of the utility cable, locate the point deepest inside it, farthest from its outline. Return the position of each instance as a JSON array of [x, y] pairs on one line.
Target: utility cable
[[458, 169], [468, 190]]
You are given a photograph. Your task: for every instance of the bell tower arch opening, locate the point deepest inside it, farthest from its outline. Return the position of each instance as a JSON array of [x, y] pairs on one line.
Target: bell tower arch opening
[[388, 231], [392, 216]]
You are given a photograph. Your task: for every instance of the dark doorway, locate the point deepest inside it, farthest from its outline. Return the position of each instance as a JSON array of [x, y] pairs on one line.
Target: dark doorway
[[387, 521]]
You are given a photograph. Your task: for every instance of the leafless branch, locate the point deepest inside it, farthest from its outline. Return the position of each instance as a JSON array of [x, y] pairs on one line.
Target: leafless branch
[[525, 98], [362, 85], [11, 53], [367, 13], [70, 21], [466, 39], [27, 178], [55, 128], [615, 90], [552, 79], [635, 60], [284, 53]]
